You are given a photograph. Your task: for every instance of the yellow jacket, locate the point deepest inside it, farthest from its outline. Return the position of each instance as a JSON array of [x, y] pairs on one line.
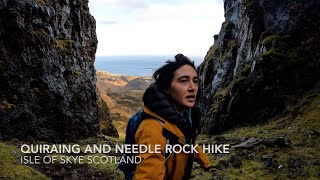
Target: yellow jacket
[[153, 165]]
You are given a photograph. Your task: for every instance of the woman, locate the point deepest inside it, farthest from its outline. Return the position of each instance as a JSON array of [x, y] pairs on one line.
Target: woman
[[170, 102]]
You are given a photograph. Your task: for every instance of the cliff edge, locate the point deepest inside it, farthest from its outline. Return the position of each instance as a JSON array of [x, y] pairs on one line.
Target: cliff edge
[[265, 57], [47, 77]]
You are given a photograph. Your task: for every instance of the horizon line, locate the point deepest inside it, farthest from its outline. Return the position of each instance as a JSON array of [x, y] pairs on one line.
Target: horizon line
[[167, 55]]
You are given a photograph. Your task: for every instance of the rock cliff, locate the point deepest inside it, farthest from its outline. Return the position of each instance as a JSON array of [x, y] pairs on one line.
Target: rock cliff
[[266, 54], [47, 77]]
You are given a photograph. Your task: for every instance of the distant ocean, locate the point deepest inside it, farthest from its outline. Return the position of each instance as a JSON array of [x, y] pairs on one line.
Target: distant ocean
[[135, 65]]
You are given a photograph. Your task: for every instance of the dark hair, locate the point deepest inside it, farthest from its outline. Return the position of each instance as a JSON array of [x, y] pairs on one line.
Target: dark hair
[[164, 75]]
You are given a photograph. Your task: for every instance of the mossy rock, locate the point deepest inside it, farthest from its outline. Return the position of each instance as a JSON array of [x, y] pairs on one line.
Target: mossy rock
[[298, 158], [268, 39], [64, 44], [6, 105], [41, 2]]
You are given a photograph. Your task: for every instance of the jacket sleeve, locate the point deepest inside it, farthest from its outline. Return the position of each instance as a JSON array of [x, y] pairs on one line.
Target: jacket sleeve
[[152, 165], [202, 159]]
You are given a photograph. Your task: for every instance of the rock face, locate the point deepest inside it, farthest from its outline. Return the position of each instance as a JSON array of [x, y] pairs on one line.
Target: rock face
[[266, 54], [47, 77]]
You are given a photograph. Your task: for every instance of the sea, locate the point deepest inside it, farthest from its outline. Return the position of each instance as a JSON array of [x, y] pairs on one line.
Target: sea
[[140, 65]]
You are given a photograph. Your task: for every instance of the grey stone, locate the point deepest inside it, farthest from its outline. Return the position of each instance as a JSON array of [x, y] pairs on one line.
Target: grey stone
[[261, 52], [248, 143], [47, 77]]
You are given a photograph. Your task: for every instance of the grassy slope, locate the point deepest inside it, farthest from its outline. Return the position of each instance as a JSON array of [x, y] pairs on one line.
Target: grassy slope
[[10, 167], [299, 126], [122, 105]]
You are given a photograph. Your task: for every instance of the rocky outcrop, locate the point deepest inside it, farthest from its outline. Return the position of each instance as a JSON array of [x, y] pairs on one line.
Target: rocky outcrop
[[265, 55], [47, 77]]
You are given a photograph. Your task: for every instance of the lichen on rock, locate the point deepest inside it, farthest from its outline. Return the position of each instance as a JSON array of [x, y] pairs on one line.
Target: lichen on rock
[[265, 52], [47, 51]]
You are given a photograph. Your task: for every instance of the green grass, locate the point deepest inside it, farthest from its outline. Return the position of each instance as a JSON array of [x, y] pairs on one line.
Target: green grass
[[10, 167], [227, 51], [109, 167], [282, 53], [295, 129], [278, 46], [102, 165], [299, 125], [272, 38], [212, 51]]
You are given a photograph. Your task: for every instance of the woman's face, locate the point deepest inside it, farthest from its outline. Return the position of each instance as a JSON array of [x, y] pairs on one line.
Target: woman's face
[[184, 86]]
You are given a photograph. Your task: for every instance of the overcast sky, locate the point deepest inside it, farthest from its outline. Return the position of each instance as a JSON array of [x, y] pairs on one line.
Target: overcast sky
[[156, 27]]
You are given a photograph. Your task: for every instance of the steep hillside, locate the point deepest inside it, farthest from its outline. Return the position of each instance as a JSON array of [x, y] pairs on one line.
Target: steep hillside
[[137, 84], [108, 82], [286, 147], [47, 77], [123, 95], [111, 82], [266, 55]]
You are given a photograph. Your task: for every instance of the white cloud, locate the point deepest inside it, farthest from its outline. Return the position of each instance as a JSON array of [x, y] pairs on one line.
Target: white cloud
[[156, 28], [96, 5]]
